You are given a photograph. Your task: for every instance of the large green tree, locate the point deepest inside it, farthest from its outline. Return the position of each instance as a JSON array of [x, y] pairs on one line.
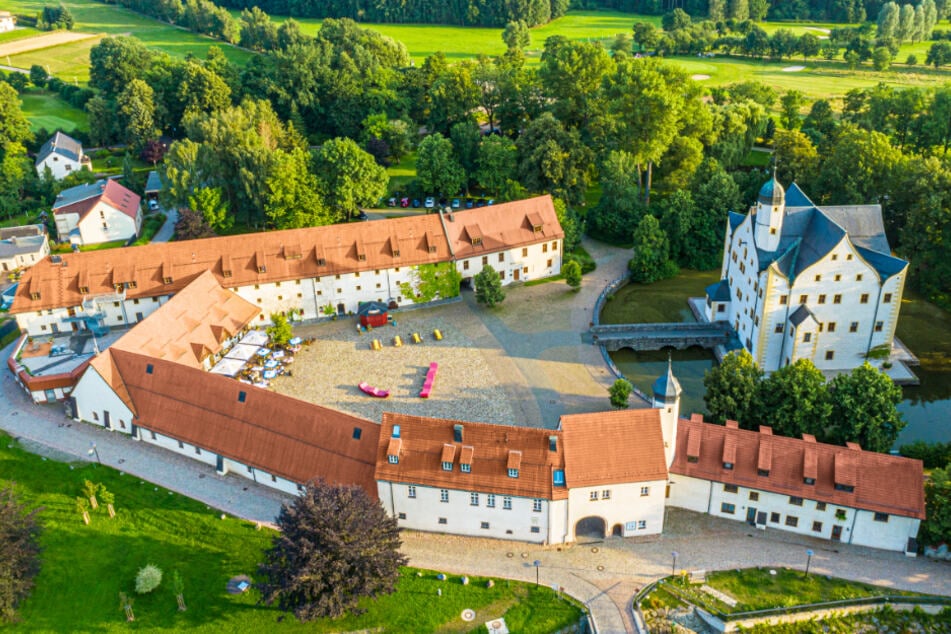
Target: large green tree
[[795, 400], [209, 202], [864, 409], [936, 528], [732, 390], [294, 198], [136, 110], [571, 74], [14, 126], [497, 161], [858, 167], [437, 169], [651, 261], [115, 61], [488, 287], [553, 160], [19, 553], [336, 547], [350, 177]]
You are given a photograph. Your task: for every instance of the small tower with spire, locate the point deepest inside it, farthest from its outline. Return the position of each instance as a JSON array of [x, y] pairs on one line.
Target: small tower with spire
[[770, 209], [666, 398]]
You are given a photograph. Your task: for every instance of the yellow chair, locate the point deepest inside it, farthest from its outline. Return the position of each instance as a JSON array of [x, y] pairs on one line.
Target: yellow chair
[[397, 341], [376, 345], [437, 334]]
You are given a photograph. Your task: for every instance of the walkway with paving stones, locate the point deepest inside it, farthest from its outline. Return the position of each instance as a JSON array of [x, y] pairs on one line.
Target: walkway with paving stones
[[547, 361]]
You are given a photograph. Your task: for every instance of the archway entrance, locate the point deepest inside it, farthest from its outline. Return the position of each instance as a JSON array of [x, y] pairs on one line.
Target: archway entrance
[[617, 531], [590, 527]]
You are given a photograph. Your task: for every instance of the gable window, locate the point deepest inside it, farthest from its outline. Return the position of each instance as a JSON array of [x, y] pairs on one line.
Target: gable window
[[558, 477], [818, 278], [887, 298], [444, 495], [778, 329], [513, 473], [838, 278], [858, 278], [411, 491]]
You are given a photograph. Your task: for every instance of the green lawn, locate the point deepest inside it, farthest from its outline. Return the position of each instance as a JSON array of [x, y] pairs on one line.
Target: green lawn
[[85, 567], [402, 174], [18, 34], [46, 110], [71, 61], [659, 302]]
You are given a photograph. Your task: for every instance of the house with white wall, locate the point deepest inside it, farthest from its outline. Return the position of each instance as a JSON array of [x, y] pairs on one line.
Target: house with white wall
[[8, 21], [22, 247], [93, 213], [61, 154], [799, 281], [311, 271], [842, 494]]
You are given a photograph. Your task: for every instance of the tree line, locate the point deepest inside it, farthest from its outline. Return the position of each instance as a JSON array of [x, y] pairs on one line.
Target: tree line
[[845, 11]]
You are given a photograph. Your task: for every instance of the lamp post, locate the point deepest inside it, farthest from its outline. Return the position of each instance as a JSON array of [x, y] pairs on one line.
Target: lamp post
[[94, 451], [673, 563], [537, 563], [809, 555]]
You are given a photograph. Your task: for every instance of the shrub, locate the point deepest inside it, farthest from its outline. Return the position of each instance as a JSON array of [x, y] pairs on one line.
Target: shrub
[[148, 579]]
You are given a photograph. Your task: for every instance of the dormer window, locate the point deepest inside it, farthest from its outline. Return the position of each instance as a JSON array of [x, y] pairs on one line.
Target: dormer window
[[558, 477], [809, 481], [393, 459], [118, 287], [728, 466], [362, 257], [465, 468], [513, 473], [447, 466], [537, 228], [321, 262], [84, 290], [476, 241], [166, 280], [844, 487], [132, 284], [262, 268], [763, 473], [396, 253], [226, 273], [35, 295], [432, 249]]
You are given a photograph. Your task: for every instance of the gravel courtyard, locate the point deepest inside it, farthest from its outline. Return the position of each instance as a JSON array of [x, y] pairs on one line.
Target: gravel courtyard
[[328, 371]]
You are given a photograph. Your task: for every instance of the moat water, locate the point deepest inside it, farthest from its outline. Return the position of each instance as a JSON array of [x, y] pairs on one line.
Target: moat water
[[926, 407]]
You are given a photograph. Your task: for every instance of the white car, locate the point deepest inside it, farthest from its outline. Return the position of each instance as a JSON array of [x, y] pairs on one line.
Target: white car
[[430, 203], [153, 205]]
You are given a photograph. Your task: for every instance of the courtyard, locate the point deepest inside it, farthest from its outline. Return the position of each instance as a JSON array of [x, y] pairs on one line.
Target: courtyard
[[521, 363]]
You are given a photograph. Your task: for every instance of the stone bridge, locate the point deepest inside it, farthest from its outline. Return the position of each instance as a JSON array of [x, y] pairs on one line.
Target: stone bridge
[[658, 336]]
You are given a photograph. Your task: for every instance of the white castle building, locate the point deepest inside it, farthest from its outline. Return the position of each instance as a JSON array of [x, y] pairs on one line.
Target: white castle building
[[800, 281]]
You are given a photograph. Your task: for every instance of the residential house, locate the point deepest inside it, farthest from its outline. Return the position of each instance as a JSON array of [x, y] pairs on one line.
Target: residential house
[[22, 247], [94, 213], [62, 155], [8, 21]]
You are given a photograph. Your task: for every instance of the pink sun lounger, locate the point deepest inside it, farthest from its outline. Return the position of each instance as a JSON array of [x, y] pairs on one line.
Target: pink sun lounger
[[430, 379]]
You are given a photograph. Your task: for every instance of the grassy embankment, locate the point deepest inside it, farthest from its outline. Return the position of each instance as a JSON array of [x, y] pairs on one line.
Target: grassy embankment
[[85, 567]]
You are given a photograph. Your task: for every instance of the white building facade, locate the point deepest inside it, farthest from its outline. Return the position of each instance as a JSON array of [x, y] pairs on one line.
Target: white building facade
[[61, 155], [94, 213], [803, 282]]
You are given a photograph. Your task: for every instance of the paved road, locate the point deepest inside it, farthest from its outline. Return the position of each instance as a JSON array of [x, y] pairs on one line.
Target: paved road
[[604, 574], [165, 233]]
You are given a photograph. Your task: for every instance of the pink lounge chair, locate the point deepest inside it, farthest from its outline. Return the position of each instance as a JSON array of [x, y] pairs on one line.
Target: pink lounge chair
[[366, 388]]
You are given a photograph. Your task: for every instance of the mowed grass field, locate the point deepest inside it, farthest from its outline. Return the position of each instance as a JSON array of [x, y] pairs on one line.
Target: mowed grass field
[[71, 61], [47, 110], [83, 568]]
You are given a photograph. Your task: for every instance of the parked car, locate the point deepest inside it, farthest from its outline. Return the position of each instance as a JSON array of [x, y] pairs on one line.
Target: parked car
[[362, 215], [391, 202], [480, 202], [404, 202], [430, 202], [490, 203], [153, 205], [469, 203], [416, 203], [456, 203]]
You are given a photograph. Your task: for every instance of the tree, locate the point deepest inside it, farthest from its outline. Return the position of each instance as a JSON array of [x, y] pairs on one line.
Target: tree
[[572, 272], [102, 120], [739, 10], [14, 126], [808, 45], [732, 390], [497, 161], [488, 287], [936, 528], [280, 330], [136, 110], [888, 19], [437, 169], [792, 102], [881, 58], [553, 159], [570, 223], [651, 261], [516, 35], [349, 176], [571, 73], [676, 20], [939, 54], [795, 400], [19, 552], [191, 225], [148, 578], [466, 138], [858, 167], [153, 151], [864, 409], [115, 61], [796, 157], [336, 546], [209, 203], [38, 75], [620, 392], [296, 196]]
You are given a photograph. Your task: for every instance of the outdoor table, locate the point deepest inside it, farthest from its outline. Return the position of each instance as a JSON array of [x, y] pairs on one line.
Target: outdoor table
[[263, 352], [294, 341], [270, 363]]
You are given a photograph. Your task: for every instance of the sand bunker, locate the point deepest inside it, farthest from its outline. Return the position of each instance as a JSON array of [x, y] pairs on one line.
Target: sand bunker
[[699, 77], [793, 69]]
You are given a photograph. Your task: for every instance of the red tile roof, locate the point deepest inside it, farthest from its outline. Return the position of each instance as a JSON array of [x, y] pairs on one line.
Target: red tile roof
[[269, 431], [110, 193], [882, 483], [613, 447], [275, 256], [424, 442]]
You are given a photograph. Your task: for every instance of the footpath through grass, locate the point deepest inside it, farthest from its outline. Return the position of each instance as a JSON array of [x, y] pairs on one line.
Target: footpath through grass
[[85, 567]]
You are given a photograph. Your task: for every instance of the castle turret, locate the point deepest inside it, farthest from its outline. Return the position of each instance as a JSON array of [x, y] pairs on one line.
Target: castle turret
[[770, 208], [667, 399]]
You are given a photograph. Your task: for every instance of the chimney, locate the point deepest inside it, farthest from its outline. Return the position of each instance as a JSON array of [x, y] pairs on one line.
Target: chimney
[[457, 433], [732, 424]]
